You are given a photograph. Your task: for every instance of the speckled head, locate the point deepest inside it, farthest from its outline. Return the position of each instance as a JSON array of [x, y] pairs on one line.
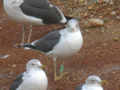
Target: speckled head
[[93, 79], [33, 64]]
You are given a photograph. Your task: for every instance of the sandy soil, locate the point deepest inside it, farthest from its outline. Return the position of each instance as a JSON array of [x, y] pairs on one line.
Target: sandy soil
[[99, 55]]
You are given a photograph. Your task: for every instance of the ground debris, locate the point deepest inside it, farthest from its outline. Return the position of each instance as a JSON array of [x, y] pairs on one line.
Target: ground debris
[[118, 17], [116, 38], [94, 22], [4, 56]]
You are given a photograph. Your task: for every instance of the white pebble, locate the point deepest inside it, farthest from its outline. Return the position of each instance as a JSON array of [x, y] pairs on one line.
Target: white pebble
[[95, 22]]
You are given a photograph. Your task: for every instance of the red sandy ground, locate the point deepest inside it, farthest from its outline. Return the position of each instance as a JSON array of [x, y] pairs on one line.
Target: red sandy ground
[[99, 55]]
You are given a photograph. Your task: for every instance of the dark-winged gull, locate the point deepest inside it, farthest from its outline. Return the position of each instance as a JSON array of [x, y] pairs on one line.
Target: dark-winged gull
[[34, 78], [93, 82], [34, 12], [60, 43]]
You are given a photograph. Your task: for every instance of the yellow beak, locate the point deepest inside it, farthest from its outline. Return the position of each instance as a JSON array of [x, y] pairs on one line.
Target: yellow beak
[[104, 82], [43, 67]]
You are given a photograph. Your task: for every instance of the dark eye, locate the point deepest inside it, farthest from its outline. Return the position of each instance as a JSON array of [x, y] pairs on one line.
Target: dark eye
[[33, 64], [93, 80]]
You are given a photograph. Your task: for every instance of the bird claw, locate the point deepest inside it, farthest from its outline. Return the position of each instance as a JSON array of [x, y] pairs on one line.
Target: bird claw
[[61, 76]]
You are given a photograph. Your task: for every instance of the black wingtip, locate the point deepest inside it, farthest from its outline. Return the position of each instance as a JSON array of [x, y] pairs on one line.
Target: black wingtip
[[27, 45], [68, 17]]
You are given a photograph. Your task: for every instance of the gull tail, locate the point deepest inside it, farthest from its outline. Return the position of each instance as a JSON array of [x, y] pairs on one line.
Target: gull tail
[[28, 46]]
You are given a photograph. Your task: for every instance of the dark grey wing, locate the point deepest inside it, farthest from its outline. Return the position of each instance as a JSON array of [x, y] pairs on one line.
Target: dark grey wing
[[42, 10], [79, 87], [16, 82], [47, 43], [44, 4]]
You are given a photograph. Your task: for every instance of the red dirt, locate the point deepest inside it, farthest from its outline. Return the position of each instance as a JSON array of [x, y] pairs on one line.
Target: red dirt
[[99, 55]]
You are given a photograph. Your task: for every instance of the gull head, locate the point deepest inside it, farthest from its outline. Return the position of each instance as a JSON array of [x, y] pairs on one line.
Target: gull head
[[93, 79], [34, 64], [73, 25]]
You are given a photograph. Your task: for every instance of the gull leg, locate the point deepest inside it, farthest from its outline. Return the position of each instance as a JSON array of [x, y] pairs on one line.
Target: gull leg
[[23, 38], [62, 73], [30, 34], [55, 72], [23, 35]]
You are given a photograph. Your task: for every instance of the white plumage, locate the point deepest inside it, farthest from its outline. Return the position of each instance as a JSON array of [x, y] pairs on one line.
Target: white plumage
[[33, 12], [70, 42], [12, 8], [93, 82], [60, 43], [33, 79], [92, 87]]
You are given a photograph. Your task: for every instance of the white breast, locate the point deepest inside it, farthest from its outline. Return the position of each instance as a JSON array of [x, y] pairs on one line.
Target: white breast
[[70, 44], [35, 81], [92, 87]]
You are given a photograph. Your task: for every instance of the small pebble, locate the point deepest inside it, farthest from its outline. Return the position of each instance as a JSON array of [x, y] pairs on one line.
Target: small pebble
[[14, 65], [108, 1], [118, 17], [87, 30], [113, 13], [95, 22], [116, 39], [2, 56], [0, 28]]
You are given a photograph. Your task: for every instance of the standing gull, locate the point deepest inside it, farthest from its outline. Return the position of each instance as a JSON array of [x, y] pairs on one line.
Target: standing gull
[[93, 82], [33, 79], [33, 12], [62, 43]]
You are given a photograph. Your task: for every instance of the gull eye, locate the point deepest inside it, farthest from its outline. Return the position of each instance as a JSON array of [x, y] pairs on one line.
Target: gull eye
[[33, 64], [93, 81]]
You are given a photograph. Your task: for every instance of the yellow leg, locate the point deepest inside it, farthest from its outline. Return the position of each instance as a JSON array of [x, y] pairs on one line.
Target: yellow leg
[[55, 67], [23, 35], [18, 45], [55, 71], [30, 34]]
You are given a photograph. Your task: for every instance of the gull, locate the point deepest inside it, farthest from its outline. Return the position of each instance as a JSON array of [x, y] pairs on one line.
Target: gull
[[93, 82], [34, 78], [33, 12], [59, 43]]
